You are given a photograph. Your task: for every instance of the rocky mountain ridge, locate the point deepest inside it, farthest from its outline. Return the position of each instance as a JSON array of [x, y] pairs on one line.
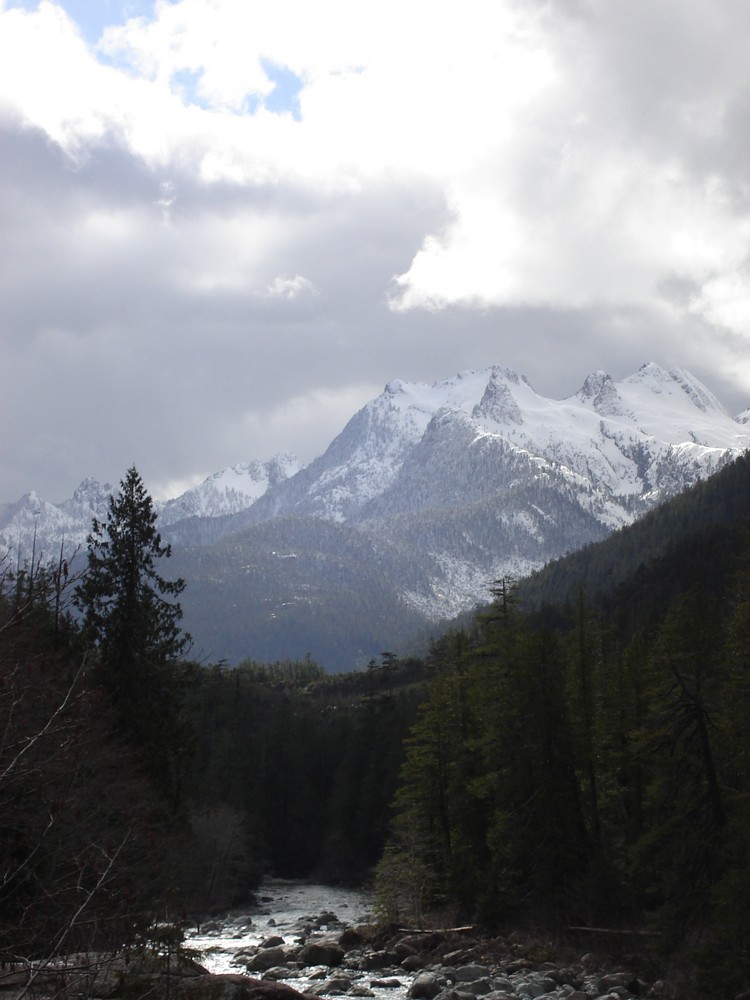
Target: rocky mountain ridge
[[454, 484]]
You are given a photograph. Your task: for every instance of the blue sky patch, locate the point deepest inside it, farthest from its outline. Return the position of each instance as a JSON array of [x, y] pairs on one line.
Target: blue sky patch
[[284, 98], [186, 82], [93, 16]]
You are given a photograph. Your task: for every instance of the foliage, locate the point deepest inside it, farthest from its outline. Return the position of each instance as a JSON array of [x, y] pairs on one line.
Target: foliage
[[589, 764], [82, 844], [578, 765], [132, 624], [309, 761]]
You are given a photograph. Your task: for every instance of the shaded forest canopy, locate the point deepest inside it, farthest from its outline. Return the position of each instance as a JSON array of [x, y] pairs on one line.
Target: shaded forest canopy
[[575, 753]]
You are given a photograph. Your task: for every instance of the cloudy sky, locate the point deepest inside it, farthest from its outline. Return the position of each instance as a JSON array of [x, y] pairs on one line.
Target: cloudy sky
[[225, 224]]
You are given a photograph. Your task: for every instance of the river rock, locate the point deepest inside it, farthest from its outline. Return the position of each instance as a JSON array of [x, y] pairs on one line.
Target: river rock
[[402, 948], [350, 937], [321, 953], [228, 987], [267, 958], [500, 984], [460, 956], [471, 973], [450, 994], [532, 988], [336, 986], [614, 980], [477, 988], [426, 986], [411, 963], [280, 972], [374, 960]]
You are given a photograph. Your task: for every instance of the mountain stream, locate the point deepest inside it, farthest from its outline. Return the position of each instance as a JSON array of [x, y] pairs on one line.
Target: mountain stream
[[292, 911]]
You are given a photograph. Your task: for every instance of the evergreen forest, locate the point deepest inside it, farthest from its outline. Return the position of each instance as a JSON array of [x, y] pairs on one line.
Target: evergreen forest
[[574, 754]]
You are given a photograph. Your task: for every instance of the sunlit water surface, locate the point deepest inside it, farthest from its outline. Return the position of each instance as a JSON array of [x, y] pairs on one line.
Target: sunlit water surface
[[285, 909]]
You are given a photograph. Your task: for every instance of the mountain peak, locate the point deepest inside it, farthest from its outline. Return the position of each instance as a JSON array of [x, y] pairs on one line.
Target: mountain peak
[[498, 403], [593, 384], [696, 391], [90, 491], [394, 387], [659, 380], [601, 393], [231, 490]]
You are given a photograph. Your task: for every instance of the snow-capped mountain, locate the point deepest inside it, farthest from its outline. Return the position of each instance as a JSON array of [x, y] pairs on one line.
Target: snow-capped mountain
[[229, 491], [36, 524], [623, 445], [35, 528], [433, 490]]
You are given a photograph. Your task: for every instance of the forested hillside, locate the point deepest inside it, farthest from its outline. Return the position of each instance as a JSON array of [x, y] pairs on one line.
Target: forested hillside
[[283, 578], [588, 764], [305, 763], [636, 570]]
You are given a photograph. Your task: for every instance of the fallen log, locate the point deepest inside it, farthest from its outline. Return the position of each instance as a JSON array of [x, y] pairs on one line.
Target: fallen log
[[616, 930], [438, 930]]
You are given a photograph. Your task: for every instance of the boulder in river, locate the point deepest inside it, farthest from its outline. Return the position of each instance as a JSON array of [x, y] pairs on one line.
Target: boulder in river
[[427, 985], [267, 958], [230, 987], [470, 973], [321, 953]]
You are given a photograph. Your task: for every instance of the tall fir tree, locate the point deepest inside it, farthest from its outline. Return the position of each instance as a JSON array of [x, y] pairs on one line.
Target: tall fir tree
[[131, 618]]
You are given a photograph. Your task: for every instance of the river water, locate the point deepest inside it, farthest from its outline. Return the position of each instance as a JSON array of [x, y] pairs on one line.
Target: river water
[[285, 909]]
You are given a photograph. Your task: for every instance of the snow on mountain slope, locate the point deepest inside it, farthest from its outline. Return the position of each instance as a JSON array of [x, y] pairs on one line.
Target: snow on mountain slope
[[366, 456], [618, 435], [35, 524], [229, 491], [615, 440], [668, 405], [487, 477], [467, 479]]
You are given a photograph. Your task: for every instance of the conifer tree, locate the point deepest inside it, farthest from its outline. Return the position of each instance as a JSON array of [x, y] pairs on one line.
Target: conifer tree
[[131, 619]]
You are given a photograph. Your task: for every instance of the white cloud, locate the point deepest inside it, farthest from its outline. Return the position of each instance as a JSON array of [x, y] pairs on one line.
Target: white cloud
[[458, 177], [575, 210], [291, 288], [525, 115]]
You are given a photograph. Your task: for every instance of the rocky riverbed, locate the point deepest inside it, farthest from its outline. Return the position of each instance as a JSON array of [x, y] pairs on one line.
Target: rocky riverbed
[[337, 951], [282, 950]]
